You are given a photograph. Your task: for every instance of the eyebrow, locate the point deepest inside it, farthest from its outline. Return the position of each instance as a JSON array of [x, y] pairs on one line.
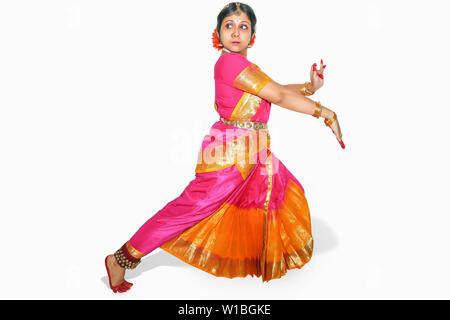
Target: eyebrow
[[241, 21]]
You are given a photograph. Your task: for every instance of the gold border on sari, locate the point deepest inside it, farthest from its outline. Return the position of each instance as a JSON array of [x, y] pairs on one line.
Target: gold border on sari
[[247, 107], [199, 247], [240, 152], [268, 166], [133, 251]]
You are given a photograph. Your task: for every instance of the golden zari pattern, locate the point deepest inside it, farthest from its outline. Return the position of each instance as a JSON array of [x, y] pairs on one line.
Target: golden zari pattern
[[286, 239], [241, 152], [266, 209], [247, 107], [251, 79], [244, 124], [132, 251]]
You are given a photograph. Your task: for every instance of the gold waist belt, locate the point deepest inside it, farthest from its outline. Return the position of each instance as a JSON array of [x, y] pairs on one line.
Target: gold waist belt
[[245, 124]]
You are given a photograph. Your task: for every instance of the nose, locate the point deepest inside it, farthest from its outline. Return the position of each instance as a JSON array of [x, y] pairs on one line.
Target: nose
[[235, 33]]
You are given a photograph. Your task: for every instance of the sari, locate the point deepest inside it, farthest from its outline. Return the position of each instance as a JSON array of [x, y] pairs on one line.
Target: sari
[[244, 213]]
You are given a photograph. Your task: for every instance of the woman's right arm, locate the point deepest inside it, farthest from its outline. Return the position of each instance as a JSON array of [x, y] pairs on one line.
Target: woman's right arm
[[292, 100], [295, 101]]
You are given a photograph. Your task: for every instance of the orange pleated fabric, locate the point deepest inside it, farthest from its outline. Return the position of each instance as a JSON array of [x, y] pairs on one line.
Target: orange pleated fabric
[[236, 242]]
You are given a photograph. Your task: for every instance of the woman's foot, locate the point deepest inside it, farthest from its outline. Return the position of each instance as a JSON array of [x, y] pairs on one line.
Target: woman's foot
[[116, 275]]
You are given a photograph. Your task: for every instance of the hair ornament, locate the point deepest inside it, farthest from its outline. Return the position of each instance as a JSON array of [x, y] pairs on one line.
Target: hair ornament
[[216, 41]]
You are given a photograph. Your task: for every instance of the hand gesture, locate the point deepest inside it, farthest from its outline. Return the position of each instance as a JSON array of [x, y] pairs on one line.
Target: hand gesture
[[335, 127], [317, 76]]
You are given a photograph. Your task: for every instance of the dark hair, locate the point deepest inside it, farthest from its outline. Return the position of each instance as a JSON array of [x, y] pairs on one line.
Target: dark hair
[[231, 8]]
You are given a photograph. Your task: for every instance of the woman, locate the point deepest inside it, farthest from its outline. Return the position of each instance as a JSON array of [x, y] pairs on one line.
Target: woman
[[244, 213]]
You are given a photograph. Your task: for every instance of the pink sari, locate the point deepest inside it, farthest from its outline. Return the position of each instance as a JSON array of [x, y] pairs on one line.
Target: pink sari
[[244, 213]]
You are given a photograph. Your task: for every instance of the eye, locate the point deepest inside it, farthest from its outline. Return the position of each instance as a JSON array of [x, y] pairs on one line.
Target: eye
[[244, 26]]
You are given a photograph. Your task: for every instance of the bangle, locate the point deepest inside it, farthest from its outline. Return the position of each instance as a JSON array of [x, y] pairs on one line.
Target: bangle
[[330, 122], [305, 90], [318, 111]]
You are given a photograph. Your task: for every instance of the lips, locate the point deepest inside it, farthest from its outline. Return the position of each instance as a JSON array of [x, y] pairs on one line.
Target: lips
[[235, 42]]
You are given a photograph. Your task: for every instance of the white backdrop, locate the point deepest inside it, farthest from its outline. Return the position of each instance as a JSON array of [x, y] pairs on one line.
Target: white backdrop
[[104, 104]]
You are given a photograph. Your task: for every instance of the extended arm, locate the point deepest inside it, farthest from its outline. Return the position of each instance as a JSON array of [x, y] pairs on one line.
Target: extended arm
[[285, 97], [298, 87], [253, 80]]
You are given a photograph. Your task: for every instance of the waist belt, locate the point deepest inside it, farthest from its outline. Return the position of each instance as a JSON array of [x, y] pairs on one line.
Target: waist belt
[[245, 124]]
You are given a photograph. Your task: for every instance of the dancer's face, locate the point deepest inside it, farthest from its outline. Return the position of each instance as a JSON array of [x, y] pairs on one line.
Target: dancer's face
[[235, 32]]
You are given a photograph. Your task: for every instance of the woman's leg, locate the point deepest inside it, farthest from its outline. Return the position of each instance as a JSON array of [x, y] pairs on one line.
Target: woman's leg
[[201, 198]]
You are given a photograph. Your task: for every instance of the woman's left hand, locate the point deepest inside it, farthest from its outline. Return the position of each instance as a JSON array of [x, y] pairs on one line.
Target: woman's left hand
[[317, 76]]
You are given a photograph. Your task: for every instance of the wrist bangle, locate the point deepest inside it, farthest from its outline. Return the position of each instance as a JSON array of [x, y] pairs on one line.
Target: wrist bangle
[[330, 122], [305, 90], [318, 111]]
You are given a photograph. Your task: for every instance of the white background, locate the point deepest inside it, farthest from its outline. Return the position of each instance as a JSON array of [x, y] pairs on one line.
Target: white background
[[104, 104]]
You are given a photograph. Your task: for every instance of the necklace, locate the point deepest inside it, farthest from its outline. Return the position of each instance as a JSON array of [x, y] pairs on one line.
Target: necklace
[[226, 50]]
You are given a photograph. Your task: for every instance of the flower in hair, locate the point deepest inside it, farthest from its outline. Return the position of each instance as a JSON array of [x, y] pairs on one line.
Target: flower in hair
[[253, 40], [216, 41]]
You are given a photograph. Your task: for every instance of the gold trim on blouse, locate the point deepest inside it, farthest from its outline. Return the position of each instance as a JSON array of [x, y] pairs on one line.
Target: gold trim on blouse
[[252, 79]]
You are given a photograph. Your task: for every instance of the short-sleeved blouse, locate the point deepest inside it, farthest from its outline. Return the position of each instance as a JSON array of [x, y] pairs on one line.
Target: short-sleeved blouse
[[237, 83]]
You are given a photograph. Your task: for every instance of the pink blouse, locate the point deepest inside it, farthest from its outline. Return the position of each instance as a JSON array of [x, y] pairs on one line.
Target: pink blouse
[[237, 82]]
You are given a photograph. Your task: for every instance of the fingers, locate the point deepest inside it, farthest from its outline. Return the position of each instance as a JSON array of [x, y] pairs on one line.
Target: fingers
[[317, 71], [338, 134], [320, 71], [341, 142]]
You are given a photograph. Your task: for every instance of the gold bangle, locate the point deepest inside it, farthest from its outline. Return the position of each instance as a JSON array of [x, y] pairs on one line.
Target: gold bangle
[[305, 90], [330, 122], [318, 110]]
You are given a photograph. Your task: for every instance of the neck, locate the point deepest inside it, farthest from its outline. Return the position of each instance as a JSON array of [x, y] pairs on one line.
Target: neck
[[243, 52]]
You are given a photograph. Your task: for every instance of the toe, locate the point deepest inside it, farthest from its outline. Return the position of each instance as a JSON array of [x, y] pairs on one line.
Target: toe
[[128, 284], [123, 287]]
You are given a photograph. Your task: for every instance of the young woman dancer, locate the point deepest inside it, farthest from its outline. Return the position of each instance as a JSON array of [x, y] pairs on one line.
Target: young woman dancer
[[244, 213]]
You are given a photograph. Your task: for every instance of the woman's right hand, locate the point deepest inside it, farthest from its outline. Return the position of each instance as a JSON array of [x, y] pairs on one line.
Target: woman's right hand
[[337, 132]]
